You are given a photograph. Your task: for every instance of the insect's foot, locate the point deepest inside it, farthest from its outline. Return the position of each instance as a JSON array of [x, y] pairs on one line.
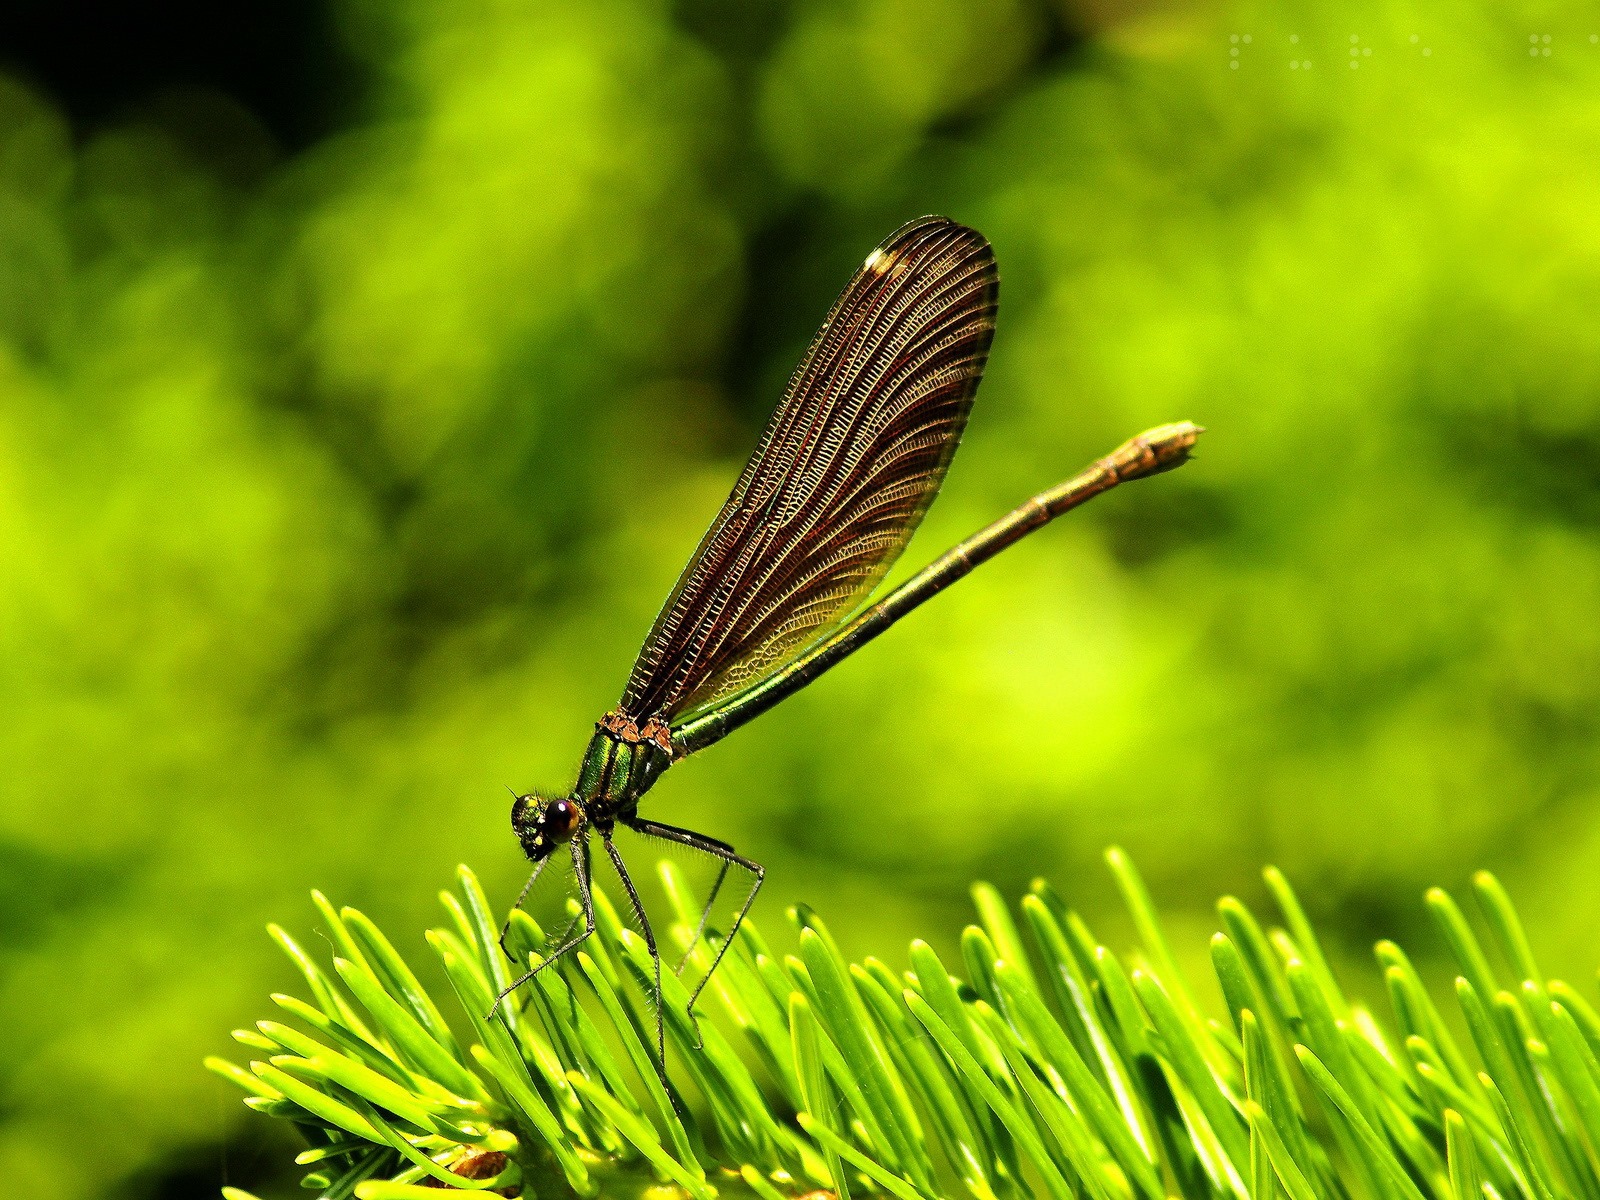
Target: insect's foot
[[503, 997], [694, 1024]]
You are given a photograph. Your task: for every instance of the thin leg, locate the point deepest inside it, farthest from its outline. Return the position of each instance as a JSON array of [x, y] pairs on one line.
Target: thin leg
[[580, 864], [705, 915], [521, 896], [655, 955], [687, 837]]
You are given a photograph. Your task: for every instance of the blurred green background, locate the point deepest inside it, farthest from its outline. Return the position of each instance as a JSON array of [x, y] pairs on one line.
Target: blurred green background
[[368, 371]]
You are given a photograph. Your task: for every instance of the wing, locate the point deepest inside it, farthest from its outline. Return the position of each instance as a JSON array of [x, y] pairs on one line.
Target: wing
[[848, 464]]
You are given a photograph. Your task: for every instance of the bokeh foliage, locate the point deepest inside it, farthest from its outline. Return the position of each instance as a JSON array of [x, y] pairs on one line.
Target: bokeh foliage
[[338, 487]]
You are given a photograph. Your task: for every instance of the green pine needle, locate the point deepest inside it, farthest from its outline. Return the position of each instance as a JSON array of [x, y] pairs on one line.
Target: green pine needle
[[1058, 1074]]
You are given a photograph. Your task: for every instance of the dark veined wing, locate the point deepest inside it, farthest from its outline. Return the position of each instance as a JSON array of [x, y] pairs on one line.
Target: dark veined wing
[[848, 464]]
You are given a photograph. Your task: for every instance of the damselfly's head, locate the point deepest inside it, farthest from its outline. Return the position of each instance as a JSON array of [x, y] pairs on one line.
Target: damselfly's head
[[541, 824]]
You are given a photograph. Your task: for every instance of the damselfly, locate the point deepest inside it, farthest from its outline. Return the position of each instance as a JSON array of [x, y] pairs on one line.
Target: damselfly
[[774, 595]]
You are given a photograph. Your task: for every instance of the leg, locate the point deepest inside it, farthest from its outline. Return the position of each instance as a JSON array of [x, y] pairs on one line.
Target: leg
[[727, 854], [705, 915], [655, 955], [521, 896], [580, 864]]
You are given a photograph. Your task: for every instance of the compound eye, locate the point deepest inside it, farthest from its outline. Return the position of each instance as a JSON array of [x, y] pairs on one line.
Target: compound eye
[[561, 821]]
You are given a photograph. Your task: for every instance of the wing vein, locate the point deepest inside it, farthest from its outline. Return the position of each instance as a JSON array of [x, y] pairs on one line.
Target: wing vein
[[841, 476]]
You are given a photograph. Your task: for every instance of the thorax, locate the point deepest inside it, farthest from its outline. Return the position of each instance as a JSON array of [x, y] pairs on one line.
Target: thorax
[[615, 772]]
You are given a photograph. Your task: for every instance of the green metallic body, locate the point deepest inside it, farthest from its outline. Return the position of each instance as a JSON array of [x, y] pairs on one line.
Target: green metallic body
[[614, 773]]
